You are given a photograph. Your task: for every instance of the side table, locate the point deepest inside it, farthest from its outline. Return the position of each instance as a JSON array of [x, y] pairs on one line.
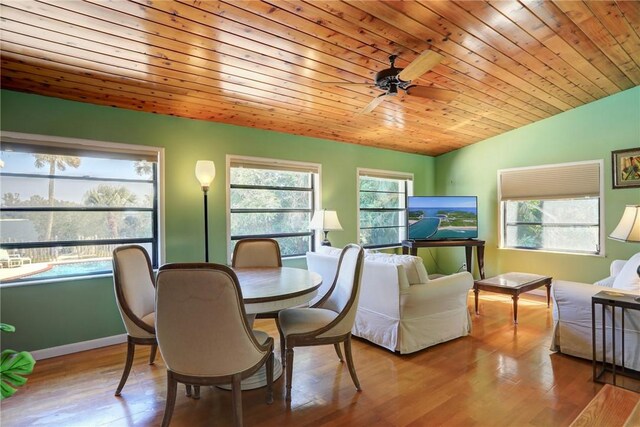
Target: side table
[[512, 284], [613, 300]]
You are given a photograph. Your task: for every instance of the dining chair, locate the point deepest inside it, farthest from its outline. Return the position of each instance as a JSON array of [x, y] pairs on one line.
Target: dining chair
[[257, 252], [135, 296], [203, 332], [330, 320]]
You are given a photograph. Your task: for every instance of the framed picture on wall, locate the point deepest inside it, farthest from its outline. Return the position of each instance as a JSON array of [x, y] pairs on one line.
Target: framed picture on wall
[[625, 165]]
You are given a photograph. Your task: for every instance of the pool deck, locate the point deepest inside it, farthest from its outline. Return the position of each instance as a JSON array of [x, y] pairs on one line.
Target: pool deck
[[23, 270]]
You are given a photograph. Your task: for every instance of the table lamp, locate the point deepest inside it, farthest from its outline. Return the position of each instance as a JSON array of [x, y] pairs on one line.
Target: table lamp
[[326, 221], [628, 229], [205, 172]]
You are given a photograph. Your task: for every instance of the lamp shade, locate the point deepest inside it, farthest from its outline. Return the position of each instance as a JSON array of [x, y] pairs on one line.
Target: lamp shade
[[205, 172], [628, 229], [325, 220]]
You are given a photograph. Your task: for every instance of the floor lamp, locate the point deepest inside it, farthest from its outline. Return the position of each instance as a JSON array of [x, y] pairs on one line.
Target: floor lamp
[[205, 172]]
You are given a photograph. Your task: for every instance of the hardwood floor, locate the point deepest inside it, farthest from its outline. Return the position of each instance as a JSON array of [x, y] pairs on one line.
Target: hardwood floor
[[500, 375]]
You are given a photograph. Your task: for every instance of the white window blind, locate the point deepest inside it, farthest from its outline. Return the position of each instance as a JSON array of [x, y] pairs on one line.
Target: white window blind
[[560, 181]]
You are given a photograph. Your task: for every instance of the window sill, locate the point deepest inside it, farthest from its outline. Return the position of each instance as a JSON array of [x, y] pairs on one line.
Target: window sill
[[600, 255]]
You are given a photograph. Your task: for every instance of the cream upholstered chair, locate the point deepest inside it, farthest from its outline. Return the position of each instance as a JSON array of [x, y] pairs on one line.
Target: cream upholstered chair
[[257, 252], [135, 295], [203, 333], [330, 320]]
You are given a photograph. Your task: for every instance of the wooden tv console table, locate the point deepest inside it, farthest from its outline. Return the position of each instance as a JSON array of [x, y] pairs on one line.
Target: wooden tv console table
[[411, 247]]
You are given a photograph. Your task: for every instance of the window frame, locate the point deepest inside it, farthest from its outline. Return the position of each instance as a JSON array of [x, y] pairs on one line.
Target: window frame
[[279, 165], [158, 220], [502, 223], [408, 179]]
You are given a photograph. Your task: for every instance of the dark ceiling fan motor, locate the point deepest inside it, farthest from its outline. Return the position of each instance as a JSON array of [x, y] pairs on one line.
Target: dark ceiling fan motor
[[388, 80]]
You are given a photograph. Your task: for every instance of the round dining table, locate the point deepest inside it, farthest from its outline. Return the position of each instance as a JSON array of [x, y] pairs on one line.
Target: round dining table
[[268, 289]]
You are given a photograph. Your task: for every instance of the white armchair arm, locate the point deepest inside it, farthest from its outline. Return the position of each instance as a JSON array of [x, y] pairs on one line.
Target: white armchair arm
[[616, 266], [439, 295], [572, 301]]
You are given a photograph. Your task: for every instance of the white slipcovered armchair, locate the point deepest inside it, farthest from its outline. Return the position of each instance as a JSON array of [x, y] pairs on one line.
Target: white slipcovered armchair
[[400, 307], [572, 315]]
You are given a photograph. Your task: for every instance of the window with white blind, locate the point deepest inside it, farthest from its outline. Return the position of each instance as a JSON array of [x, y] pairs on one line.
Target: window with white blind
[[66, 204], [554, 208], [382, 207], [272, 199]]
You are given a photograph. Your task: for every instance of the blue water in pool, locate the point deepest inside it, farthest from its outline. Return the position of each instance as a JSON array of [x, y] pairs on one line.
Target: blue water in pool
[[74, 269]]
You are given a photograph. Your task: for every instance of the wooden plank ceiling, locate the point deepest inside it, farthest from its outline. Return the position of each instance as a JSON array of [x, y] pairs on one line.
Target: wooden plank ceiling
[[263, 64]]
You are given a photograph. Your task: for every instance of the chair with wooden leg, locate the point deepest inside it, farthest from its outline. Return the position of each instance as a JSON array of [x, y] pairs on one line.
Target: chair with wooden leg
[[330, 320], [257, 253], [203, 332], [135, 295]]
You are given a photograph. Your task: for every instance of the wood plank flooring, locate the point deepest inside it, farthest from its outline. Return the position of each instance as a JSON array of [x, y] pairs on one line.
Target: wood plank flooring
[[500, 375]]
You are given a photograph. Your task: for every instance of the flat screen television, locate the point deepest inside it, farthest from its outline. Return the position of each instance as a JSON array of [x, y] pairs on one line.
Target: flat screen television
[[442, 217]]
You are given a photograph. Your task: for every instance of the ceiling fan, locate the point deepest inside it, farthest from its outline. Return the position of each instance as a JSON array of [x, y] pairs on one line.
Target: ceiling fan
[[391, 79]]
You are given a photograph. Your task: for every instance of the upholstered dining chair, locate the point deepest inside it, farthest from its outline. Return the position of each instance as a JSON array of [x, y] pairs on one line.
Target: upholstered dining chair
[[135, 295], [203, 332], [330, 320], [257, 252]]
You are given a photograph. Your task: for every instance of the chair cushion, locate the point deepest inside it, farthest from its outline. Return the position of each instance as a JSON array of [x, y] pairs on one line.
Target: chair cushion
[[261, 336], [628, 279], [302, 320], [150, 319], [413, 265]]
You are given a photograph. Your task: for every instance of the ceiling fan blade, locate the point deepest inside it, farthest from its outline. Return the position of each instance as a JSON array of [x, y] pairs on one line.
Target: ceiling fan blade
[[443, 95], [373, 104], [423, 63], [346, 84]]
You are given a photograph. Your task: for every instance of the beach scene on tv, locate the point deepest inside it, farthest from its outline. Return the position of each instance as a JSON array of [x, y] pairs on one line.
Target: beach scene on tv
[[442, 218]]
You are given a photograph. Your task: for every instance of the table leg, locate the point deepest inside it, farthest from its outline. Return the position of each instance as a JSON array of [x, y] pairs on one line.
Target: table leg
[[480, 256], [405, 250], [515, 308], [593, 339], [476, 292], [467, 255], [548, 285]]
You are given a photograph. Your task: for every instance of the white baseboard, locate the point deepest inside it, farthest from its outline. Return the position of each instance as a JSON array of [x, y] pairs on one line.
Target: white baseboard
[[76, 347]]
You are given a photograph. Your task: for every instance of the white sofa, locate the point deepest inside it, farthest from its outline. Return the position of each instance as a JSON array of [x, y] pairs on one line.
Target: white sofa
[[572, 315], [400, 308]]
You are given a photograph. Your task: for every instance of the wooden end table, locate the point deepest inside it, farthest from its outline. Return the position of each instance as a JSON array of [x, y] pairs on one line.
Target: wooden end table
[[512, 284]]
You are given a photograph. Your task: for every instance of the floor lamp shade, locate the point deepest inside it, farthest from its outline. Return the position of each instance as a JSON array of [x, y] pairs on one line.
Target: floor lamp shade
[[205, 172], [325, 221], [628, 229]]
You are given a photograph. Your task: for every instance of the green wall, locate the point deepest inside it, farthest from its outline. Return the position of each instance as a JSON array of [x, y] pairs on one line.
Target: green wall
[[589, 132], [54, 314]]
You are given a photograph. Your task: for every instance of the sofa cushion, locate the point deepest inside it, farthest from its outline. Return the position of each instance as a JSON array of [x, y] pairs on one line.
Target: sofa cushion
[[329, 250], [628, 279], [413, 265]]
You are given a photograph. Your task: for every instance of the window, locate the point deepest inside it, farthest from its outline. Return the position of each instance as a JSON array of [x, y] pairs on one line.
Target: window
[[66, 204], [382, 199], [553, 207], [273, 199]]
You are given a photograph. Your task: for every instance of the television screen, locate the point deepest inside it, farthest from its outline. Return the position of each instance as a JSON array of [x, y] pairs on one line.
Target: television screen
[[442, 217]]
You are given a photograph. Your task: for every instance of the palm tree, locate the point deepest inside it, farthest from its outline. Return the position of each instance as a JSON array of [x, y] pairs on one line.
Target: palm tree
[[143, 167], [110, 196], [55, 163]]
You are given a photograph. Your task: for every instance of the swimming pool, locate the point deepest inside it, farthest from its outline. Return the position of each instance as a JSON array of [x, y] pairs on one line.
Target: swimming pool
[[73, 269]]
